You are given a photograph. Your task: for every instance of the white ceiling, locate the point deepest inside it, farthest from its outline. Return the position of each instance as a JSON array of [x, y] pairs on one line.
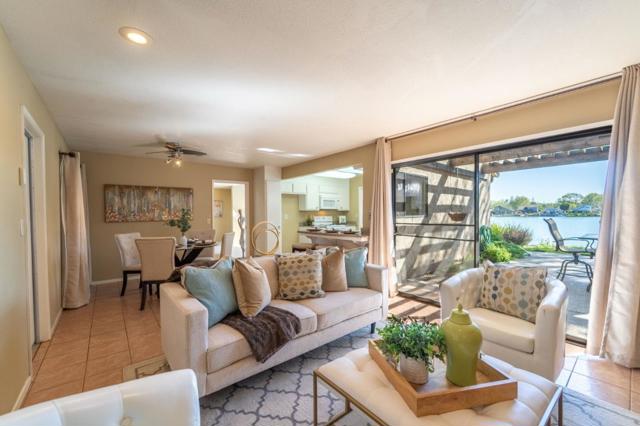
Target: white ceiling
[[301, 76]]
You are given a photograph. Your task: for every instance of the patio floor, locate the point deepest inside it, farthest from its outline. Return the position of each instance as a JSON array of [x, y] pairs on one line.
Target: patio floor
[[577, 313]]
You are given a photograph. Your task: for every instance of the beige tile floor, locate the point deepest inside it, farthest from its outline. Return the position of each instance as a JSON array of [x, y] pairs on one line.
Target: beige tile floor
[[93, 344]]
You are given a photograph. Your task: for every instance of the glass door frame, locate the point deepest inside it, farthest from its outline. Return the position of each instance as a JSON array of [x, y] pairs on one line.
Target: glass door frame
[[476, 153]]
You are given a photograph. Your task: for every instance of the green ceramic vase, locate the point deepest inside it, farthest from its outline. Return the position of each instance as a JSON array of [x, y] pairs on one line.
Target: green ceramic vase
[[463, 340]]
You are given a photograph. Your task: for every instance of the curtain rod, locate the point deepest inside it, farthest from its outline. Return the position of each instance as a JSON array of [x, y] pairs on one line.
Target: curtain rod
[[481, 113], [70, 154]]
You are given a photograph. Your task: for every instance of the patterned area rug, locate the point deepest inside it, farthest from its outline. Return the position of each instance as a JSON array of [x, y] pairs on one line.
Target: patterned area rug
[[283, 395]]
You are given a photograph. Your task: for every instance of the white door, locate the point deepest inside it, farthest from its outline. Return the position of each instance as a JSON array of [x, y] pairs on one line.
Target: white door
[[30, 238]]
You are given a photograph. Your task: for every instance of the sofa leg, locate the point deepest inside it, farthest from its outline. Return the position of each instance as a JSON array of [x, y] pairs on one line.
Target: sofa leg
[[373, 327]]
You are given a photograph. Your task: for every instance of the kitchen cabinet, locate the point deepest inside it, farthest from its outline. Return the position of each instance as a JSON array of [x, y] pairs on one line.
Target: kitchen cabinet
[[310, 201], [294, 187]]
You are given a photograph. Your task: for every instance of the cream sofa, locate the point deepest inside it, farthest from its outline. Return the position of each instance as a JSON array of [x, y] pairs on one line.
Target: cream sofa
[[220, 355], [167, 399], [538, 347]]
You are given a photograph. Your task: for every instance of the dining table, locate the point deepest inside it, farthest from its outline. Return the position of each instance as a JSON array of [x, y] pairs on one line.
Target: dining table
[[186, 254]]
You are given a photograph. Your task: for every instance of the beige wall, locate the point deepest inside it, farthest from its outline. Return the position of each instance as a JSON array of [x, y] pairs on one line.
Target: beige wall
[[291, 219], [115, 169], [225, 223], [585, 106], [354, 207], [363, 156], [16, 90]]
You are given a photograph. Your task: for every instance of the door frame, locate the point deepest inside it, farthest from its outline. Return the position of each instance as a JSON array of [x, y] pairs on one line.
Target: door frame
[[247, 207], [39, 273]]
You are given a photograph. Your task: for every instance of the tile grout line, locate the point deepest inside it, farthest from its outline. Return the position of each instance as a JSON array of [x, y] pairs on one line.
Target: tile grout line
[[86, 364]]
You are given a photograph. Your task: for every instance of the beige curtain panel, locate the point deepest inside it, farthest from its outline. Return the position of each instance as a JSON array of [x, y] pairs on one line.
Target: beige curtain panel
[[614, 321], [75, 248], [381, 228]]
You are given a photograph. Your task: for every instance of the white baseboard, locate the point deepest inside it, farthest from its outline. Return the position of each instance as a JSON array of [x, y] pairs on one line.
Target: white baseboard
[[109, 281], [22, 395]]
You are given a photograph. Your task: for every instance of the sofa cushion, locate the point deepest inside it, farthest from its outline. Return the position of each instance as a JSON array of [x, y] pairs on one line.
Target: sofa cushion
[[334, 274], [270, 266], [336, 307], [252, 287], [300, 276], [308, 318], [355, 261], [505, 330], [227, 345], [213, 287]]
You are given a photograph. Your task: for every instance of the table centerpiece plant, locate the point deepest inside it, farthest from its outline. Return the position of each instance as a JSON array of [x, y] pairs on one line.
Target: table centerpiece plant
[[183, 223], [413, 344]]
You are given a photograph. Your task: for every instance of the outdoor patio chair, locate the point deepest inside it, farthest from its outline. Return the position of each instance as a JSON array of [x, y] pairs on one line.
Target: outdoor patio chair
[[576, 252]]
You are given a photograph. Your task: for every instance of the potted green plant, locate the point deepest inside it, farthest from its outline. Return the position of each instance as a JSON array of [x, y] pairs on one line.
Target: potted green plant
[[183, 223], [413, 344]]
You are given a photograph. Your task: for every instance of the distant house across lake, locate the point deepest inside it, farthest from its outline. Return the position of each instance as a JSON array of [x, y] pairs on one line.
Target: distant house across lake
[[502, 211]]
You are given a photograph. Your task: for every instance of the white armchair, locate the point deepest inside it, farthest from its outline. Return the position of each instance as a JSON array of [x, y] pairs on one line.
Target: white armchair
[[167, 399], [538, 347]]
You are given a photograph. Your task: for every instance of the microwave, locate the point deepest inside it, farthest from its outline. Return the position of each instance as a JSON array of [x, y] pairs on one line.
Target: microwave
[[329, 202]]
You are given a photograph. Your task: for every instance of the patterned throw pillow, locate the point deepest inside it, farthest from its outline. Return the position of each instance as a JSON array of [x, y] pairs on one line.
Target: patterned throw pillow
[[300, 276], [515, 291]]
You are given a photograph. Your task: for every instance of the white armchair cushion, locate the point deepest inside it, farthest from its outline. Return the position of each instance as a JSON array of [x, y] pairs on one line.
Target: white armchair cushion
[[504, 329]]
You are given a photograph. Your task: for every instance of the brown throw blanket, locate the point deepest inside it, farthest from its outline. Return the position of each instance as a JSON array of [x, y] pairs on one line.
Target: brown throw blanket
[[267, 332]]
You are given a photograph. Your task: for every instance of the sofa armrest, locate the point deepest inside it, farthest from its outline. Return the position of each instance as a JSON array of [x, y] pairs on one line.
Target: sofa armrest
[[378, 278], [183, 327], [464, 287], [551, 320]]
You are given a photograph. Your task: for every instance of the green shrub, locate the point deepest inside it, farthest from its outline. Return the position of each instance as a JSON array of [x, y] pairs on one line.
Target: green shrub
[[517, 234], [516, 251], [496, 232], [495, 252]]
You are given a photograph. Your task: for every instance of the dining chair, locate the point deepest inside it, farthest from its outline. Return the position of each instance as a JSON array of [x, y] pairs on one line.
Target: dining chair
[[129, 256], [227, 244], [204, 235], [157, 260]]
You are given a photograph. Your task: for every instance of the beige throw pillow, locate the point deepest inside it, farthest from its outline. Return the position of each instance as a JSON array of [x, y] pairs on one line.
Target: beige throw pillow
[[515, 291], [300, 276], [334, 273], [251, 285]]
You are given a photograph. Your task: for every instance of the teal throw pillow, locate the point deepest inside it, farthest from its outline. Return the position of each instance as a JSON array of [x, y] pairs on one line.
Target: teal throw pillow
[[355, 261], [213, 287]]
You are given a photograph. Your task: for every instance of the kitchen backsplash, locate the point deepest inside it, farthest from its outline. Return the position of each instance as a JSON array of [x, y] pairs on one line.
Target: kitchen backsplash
[[332, 213]]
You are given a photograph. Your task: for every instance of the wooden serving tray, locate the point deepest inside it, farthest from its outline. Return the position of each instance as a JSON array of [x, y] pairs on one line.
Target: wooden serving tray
[[438, 395]]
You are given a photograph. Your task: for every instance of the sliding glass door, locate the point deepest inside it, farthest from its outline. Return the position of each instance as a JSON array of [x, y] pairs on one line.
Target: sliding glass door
[[452, 213]]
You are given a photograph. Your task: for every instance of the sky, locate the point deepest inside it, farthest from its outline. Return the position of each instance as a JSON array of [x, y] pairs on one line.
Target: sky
[[547, 184]]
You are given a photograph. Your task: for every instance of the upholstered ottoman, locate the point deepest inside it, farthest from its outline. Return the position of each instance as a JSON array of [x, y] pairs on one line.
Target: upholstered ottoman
[[358, 379]]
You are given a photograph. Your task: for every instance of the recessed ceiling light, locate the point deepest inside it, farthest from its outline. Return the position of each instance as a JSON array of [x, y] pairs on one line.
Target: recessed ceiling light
[[269, 150], [135, 35]]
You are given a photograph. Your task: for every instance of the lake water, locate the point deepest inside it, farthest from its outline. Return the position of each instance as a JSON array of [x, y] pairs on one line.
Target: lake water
[[568, 226]]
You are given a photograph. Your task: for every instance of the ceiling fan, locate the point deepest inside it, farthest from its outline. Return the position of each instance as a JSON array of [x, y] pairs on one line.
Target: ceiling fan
[[175, 151]]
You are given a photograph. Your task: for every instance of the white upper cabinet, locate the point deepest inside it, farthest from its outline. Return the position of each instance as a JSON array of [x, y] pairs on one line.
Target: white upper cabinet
[[309, 189]]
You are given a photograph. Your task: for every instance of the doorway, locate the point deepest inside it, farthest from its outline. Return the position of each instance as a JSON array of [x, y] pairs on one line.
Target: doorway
[[230, 203], [34, 231]]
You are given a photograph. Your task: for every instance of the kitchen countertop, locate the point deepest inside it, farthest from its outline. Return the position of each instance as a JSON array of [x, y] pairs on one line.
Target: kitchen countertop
[[335, 235]]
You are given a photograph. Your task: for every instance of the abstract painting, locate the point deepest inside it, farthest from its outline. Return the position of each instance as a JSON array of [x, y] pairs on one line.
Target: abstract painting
[[129, 203]]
